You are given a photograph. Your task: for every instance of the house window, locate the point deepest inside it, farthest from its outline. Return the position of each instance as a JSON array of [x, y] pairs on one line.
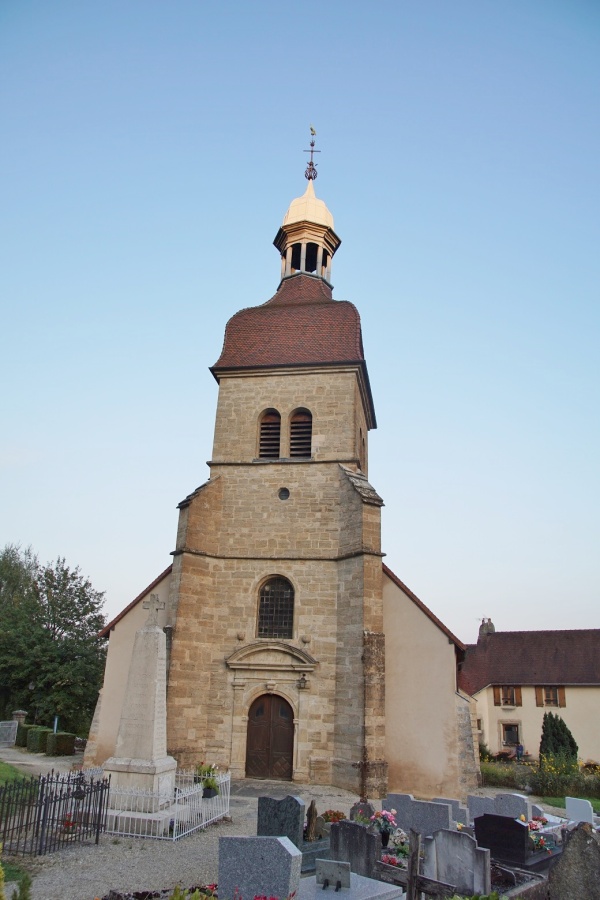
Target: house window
[[510, 734], [270, 435], [507, 695], [550, 695], [276, 608], [301, 433]]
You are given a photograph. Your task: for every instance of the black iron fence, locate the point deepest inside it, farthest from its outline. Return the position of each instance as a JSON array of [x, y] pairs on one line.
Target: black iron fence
[[39, 815]]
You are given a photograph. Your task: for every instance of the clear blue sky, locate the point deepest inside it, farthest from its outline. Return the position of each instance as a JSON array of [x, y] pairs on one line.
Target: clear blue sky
[[149, 152]]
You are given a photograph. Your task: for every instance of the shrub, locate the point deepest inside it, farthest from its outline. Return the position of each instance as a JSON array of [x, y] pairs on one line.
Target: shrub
[[484, 752], [555, 775], [60, 744], [22, 732], [36, 739], [557, 740], [502, 774]]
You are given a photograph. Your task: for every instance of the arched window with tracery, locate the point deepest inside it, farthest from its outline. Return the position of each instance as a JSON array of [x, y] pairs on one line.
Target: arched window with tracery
[[270, 435], [276, 608], [301, 433]]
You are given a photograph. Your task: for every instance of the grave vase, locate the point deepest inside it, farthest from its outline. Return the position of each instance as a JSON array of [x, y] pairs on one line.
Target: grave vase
[[385, 838]]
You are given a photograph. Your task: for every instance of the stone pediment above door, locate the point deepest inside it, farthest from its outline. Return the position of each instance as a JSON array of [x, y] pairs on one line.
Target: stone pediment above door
[[272, 655]]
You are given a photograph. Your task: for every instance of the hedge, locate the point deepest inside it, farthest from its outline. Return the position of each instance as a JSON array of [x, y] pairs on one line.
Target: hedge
[[22, 732], [60, 744], [36, 739]]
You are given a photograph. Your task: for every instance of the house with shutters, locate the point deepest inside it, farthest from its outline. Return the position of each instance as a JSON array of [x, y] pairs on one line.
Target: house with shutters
[[294, 653], [517, 676]]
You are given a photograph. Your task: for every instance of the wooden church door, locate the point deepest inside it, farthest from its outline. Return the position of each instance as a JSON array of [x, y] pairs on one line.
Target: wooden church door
[[270, 744]]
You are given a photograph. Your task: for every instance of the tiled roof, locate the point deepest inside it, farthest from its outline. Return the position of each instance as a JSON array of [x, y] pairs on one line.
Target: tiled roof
[[458, 644], [300, 325], [532, 658]]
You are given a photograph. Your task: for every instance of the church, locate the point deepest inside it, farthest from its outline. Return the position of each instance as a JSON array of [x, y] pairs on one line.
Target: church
[[294, 652]]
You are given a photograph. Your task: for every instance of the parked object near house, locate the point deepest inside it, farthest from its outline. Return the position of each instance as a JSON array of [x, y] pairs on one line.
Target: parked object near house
[[517, 676]]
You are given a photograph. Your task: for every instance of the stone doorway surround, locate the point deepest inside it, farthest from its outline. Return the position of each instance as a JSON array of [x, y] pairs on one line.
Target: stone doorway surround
[[270, 667]]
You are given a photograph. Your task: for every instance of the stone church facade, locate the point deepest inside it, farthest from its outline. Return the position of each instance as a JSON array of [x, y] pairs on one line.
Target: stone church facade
[[294, 653]]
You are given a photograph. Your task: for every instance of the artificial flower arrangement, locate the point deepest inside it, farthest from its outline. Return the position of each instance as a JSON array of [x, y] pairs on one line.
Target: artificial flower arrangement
[[384, 821], [334, 815]]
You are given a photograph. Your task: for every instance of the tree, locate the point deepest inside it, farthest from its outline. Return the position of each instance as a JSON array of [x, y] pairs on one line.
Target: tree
[[51, 659], [557, 739]]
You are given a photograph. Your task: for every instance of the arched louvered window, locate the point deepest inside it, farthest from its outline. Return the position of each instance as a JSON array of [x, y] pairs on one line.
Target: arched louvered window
[[301, 433], [276, 608], [270, 435]]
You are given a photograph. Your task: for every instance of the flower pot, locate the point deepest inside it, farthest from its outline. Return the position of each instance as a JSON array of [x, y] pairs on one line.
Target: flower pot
[[209, 792], [385, 838]]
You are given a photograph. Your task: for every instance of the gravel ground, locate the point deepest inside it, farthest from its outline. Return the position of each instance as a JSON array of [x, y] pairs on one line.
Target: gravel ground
[[84, 872]]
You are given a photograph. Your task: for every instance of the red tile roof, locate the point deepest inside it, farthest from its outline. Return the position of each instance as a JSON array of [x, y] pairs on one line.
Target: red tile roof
[[302, 324], [458, 644], [532, 658]]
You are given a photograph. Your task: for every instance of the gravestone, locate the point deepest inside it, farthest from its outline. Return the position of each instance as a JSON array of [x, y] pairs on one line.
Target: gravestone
[[575, 875], [360, 889], [459, 813], [332, 872], [454, 858], [281, 818], [479, 806], [363, 808], [351, 842], [258, 866], [422, 816], [141, 759], [513, 805], [321, 828], [579, 810], [507, 839], [537, 811]]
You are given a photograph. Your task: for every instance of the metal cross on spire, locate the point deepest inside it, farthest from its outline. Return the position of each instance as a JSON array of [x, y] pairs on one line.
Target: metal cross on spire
[[311, 169]]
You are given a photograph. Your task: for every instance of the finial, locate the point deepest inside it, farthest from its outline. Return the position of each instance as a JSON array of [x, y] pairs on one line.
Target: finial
[[311, 169]]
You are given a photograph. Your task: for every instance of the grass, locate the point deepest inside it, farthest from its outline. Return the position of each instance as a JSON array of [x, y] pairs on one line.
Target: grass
[[13, 872], [560, 802], [8, 773]]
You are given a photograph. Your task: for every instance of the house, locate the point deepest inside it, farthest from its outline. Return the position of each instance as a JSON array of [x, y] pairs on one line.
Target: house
[[293, 651], [517, 676]]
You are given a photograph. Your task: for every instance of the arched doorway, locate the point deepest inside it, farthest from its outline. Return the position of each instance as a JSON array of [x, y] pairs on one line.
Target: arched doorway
[[270, 744]]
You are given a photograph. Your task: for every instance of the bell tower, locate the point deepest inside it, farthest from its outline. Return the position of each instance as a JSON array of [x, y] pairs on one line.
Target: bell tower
[[277, 661]]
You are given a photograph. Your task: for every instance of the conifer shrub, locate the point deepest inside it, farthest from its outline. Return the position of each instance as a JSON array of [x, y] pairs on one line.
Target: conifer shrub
[[557, 739], [36, 739], [60, 744]]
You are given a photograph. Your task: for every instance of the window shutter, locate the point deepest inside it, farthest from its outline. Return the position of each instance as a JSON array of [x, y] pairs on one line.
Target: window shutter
[[539, 696], [562, 700], [518, 696], [497, 701]]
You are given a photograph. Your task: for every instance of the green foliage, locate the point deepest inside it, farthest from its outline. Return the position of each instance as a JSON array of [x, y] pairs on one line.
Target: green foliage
[[51, 660], [484, 753], [557, 739], [561, 776], [24, 891], [502, 774], [561, 803], [60, 744], [22, 730], [36, 739]]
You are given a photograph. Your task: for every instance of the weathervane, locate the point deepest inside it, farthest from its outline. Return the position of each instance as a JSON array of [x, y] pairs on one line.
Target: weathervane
[[311, 169]]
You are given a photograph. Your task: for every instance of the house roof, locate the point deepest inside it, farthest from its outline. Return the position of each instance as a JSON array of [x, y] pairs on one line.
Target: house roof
[[387, 571], [532, 658], [108, 628]]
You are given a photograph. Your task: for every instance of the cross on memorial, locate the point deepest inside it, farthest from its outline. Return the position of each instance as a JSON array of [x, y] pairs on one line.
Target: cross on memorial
[[153, 604]]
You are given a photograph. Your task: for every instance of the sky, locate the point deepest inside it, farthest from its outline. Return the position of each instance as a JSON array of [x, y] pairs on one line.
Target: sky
[[149, 153]]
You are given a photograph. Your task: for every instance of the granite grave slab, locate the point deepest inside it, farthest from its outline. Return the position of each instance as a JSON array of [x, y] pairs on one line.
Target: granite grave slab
[[281, 818], [422, 816], [353, 843], [258, 866], [454, 858]]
